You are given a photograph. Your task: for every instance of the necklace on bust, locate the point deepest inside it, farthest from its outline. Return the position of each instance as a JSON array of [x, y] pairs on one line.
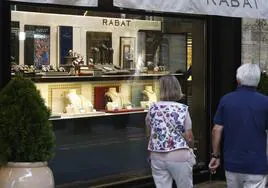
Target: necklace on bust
[[115, 97], [152, 92], [112, 94], [75, 99]]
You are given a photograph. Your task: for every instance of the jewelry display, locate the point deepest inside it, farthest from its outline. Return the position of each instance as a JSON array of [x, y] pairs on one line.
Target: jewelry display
[[111, 106], [79, 60], [115, 101], [69, 58], [145, 104], [150, 66], [149, 94], [110, 55], [149, 97], [95, 53], [75, 101], [103, 61], [114, 98], [78, 103], [103, 54], [77, 63], [25, 69]]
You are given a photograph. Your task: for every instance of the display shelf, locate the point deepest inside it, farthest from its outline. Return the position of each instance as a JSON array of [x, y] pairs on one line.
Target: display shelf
[[79, 116], [125, 110], [50, 79]]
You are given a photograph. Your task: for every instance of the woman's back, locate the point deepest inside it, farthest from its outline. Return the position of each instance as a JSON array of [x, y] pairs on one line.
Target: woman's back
[[166, 119]]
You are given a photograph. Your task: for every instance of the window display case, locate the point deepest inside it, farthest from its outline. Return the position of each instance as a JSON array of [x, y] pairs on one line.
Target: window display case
[[94, 117], [99, 75], [80, 96]]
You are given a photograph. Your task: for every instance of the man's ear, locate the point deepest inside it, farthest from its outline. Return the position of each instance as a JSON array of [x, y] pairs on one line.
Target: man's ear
[[238, 82]]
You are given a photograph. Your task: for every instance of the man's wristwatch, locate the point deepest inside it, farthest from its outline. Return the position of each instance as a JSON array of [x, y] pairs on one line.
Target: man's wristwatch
[[216, 156]]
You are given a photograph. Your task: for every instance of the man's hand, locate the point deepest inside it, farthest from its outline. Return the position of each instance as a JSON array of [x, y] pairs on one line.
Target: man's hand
[[213, 165], [216, 138]]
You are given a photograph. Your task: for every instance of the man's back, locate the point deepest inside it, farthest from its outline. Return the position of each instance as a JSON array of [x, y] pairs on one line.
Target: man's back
[[244, 116]]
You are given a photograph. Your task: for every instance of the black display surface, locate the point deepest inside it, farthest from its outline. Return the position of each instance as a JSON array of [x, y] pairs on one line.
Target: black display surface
[[95, 148]]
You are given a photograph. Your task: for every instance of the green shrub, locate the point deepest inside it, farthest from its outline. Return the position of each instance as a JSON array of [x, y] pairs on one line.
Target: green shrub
[[263, 85], [26, 134]]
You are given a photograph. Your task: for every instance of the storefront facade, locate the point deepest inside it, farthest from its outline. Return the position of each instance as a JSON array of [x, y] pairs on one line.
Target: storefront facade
[[255, 42], [131, 50]]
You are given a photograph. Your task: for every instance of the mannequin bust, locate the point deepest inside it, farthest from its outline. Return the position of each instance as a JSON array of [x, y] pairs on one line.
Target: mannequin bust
[[74, 100], [78, 103], [112, 106], [149, 94], [113, 96], [86, 104]]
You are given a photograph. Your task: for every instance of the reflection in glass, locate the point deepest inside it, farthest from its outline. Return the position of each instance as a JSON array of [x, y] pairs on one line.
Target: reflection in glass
[[174, 47], [165, 51], [14, 42]]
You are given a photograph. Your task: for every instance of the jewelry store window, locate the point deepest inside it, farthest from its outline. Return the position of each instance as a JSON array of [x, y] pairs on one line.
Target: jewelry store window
[[98, 72]]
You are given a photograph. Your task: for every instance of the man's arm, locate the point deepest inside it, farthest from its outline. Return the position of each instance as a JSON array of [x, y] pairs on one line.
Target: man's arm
[[216, 139]]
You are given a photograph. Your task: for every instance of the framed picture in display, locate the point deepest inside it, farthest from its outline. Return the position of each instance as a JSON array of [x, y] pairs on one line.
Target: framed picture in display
[[127, 52], [99, 45], [65, 42], [37, 45]]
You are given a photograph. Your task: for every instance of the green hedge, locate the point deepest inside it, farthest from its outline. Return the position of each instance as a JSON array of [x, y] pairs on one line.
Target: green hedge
[[26, 134]]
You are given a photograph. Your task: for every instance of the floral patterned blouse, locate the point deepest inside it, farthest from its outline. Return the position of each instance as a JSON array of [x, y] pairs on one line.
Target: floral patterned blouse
[[164, 136]]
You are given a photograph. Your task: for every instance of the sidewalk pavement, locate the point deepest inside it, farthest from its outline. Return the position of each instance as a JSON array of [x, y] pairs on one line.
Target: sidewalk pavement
[[213, 184]]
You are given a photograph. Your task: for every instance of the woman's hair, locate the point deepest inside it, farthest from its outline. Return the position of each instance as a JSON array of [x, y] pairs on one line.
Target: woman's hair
[[248, 74], [170, 88]]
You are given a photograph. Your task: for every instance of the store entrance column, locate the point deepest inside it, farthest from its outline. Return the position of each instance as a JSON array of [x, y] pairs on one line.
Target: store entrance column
[[4, 43]]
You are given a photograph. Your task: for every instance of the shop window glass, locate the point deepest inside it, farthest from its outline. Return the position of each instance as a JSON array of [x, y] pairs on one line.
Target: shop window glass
[[93, 70]]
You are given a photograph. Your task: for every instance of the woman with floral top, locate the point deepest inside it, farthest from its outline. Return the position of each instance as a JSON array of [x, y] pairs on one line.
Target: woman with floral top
[[170, 134]]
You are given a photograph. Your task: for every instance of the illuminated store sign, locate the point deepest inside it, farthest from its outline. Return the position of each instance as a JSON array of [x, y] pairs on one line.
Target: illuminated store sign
[[232, 8]]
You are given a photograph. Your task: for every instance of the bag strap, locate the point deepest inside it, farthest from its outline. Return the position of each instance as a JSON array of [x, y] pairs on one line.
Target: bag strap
[[173, 127]]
